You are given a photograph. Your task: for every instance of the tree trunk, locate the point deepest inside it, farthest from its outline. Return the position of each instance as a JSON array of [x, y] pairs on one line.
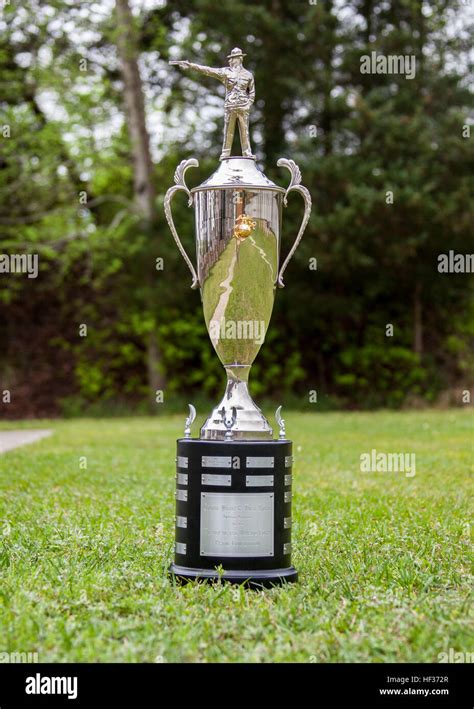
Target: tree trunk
[[417, 321], [144, 191], [367, 12]]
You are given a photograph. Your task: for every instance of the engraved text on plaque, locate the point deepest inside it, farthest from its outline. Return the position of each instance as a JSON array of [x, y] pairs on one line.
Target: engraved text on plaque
[[237, 524]]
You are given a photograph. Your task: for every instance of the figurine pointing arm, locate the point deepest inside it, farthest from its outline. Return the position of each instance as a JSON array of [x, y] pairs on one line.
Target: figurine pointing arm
[[239, 97], [206, 70]]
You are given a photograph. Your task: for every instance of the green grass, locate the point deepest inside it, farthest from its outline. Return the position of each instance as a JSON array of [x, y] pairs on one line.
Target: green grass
[[383, 559]]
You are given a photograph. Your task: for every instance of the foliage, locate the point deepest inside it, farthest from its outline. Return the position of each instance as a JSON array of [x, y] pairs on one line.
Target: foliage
[[66, 193]]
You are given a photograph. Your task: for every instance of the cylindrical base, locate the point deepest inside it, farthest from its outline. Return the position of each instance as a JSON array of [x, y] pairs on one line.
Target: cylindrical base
[[250, 579], [233, 512]]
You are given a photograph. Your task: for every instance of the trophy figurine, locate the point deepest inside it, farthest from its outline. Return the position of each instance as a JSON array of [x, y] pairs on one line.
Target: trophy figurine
[[234, 482]]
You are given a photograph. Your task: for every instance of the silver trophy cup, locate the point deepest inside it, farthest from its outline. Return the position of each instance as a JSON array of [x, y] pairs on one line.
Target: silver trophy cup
[[238, 219]]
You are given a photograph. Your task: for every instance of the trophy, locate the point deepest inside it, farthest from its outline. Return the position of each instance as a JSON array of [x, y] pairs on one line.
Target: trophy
[[234, 482]]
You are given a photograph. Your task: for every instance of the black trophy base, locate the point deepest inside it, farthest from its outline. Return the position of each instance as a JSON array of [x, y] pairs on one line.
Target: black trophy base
[[250, 579], [233, 512]]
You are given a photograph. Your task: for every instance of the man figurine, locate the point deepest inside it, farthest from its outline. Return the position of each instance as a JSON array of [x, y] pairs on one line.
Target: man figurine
[[239, 96]]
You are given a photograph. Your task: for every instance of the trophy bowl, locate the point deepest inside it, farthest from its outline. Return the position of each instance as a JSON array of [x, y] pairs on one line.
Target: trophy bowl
[[238, 217]]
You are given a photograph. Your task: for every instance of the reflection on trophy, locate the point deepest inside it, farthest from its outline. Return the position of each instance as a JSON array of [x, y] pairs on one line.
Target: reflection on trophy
[[233, 497]]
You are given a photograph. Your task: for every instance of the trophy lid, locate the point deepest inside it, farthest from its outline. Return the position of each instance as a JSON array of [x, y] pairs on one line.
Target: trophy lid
[[238, 172]]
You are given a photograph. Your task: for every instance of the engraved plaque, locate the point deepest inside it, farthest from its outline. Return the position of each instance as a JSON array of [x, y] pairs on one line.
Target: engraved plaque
[[216, 461], [260, 461], [259, 480], [287, 496], [220, 480], [288, 479], [182, 522], [181, 495], [182, 478], [237, 524], [288, 461], [180, 548], [182, 461]]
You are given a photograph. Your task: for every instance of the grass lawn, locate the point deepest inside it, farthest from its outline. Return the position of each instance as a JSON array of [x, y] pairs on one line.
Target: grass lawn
[[383, 558]]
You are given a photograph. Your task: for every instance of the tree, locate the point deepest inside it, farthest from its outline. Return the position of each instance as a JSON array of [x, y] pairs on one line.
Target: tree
[[144, 192], [385, 157]]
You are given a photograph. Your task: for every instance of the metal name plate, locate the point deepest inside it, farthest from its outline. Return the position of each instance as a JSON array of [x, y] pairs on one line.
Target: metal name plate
[[259, 480], [182, 522], [260, 461], [180, 548], [287, 496], [287, 548], [237, 524], [216, 461], [288, 479], [287, 522], [182, 478], [182, 461], [182, 495], [288, 461], [221, 480]]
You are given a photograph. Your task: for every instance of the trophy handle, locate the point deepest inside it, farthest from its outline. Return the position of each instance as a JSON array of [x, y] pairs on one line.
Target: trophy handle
[[181, 185], [295, 184]]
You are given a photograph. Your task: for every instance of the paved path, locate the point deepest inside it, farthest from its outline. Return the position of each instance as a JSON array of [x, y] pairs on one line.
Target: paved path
[[14, 439]]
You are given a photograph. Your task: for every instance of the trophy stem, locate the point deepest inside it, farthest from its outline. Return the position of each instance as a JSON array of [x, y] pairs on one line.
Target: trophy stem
[[247, 422]]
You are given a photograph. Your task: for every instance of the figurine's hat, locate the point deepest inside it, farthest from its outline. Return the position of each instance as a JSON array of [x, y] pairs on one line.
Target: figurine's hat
[[236, 52]]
